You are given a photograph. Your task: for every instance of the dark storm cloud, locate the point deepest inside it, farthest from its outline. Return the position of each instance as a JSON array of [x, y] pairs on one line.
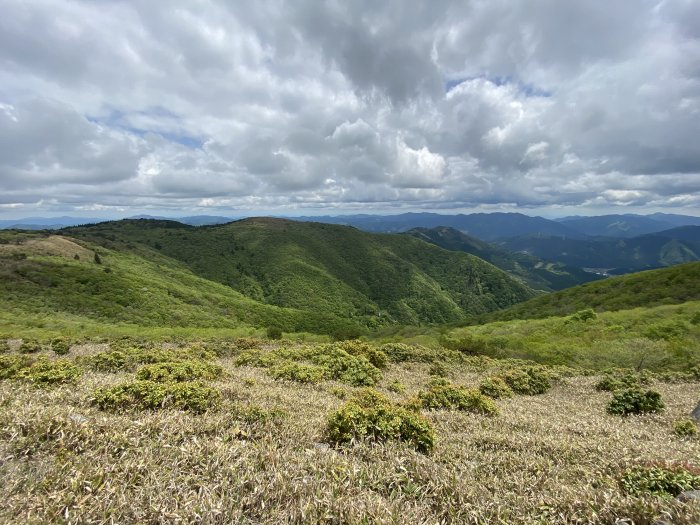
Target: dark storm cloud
[[115, 105]]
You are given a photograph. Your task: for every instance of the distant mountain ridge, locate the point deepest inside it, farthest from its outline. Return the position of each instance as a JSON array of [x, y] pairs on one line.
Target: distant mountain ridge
[[533, 271], [654, 250]]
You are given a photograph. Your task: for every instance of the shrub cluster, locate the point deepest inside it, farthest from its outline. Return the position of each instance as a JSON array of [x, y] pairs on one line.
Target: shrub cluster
[[128, 359], [618, 378], [635, 401], [61, 346], [315, 364], [443, 394], [42, 371], [495, 387], [30, 346], [370, 415], [528, 381], [402, 353], [291, 371], [659, 480], [179, 371], [685, 428], [194, 396]]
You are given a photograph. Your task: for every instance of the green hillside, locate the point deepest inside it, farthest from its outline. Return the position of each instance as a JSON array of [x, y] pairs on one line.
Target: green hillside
[[673, 285], [532, 271], [54, 283], [371, 279]]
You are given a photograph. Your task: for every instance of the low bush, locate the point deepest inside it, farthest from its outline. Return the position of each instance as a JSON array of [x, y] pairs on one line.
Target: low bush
[[401, 353], [618, 378], [438, 370], [635, 401], [60, 346], [443, 394], [291, 371], [397, 387], [528, 381], [353, 370], [495, 387], [179, 371], [668, 481], [128, 359], [141, 394], [46, 372], [274, 332], [10, 365], [370, 415], [356, 348], [4, 346], [685, 428], [30, 346], [587, 314]]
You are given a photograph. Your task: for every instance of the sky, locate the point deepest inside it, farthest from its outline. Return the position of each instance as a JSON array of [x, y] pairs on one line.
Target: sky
[[553, 107]]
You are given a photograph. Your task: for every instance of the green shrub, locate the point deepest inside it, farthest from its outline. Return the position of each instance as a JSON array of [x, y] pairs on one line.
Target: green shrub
[[586, 314], [30, 346], [257, 358], [442, 394], [274, 332], [527, 381], [618, 378], [193, 396], [353, 370], [685, 427], [179, 371], [356, 348], [495, 387], [10, 365], [438, 370], [668, 481], [401, 352], [4, 346], [370, 415], [60, 346], [339, 392], [467, 345], [128, 359], [246, 343], [291, 371], [635, 401], [397, 387], [46, 372]]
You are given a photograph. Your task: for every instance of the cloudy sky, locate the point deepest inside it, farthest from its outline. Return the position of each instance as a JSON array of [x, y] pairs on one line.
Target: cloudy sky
[[110, 108]]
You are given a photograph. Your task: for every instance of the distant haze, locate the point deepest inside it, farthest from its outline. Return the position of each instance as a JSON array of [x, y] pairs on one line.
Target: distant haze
[[117, 108]]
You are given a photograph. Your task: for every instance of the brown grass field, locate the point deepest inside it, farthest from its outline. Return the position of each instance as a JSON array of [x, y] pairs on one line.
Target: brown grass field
[[260, 458]]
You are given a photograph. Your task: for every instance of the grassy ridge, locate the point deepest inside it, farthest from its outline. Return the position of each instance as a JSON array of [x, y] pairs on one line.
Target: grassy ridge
[[673, 285], [371, 279]]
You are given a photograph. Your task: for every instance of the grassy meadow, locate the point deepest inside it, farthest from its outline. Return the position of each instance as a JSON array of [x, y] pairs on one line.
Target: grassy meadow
[[251, 444]]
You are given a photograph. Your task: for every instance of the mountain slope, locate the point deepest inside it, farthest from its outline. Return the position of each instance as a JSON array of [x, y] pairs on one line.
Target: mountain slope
[[673, 285], [55, 280], [371, 279], [534, 272]]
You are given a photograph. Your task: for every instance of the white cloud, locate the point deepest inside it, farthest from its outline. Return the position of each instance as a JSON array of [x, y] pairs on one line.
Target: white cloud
[[122, 105]]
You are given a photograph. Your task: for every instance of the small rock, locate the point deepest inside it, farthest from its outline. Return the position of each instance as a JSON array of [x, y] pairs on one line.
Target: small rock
[[695, 414], [323, 447], [689, 495], [78, 418]]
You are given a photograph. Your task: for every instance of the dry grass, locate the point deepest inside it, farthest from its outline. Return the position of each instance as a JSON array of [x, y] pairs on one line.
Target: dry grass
[[546, 459], [51, 245]]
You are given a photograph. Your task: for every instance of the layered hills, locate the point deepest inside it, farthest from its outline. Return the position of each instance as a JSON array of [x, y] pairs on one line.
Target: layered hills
[[533, 271], [259, 272]]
